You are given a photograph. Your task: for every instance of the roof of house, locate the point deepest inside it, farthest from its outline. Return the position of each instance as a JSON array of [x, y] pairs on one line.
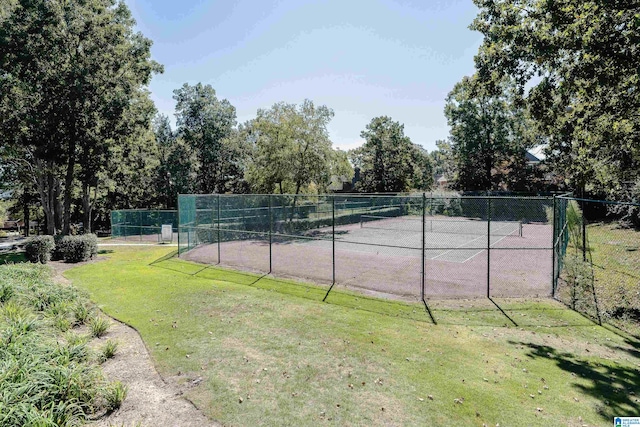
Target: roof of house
[[530, 157], [537, 154]]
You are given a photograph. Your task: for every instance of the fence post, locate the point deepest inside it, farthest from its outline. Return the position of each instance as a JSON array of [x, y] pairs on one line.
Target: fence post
[[489, 247], [584, 233], [333, 238], [218, 227], [270, 235], [553, 249], [422, 272], [178, 226], [140, 225]]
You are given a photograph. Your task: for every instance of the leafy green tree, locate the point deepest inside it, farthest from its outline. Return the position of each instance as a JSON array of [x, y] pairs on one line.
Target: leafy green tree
[[204, 121], [389, 161], [422, 175], [579, 60], [488, 135], [292, 148], [340, 169], [236, 153], [443, 160], [69, 72]]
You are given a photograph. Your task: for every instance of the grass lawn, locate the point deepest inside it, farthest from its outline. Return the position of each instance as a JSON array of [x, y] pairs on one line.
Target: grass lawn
[[256, 351], [616, 260]]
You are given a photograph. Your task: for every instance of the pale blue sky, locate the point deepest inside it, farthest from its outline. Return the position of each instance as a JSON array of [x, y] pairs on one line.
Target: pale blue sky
[[363, 59]]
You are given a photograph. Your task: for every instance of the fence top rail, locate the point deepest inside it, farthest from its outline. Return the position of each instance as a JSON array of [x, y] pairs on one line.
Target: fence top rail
[[605, 202], [144, 210], [379, 195]]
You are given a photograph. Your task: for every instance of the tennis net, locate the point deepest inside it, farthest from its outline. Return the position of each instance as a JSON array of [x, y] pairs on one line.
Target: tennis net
[[453, 226]]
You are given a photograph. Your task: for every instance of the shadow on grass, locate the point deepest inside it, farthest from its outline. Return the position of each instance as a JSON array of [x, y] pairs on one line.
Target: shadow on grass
[[166, 257], [12, 258], [105, 251], [609, 383], [317, 293], [482, 312]]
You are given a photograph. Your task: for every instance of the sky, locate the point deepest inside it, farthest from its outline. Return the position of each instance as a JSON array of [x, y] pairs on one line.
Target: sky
[[361, 58]]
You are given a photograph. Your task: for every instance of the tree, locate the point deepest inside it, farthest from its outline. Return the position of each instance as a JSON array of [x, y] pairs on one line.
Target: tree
[[443, 160], [488, 134], [70, 71], [422, 175], [292, 148], [389, 161], [236, 156], [204, 122], [579, 59]]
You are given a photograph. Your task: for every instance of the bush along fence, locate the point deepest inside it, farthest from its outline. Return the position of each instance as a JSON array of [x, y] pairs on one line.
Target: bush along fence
[[597, 259], [407, 246], [142, 224]]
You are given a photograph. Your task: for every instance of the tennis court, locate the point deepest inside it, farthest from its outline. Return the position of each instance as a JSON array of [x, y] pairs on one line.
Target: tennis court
[[389, 251]]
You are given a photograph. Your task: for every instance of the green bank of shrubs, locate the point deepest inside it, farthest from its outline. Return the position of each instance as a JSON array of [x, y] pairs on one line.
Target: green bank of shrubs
[[48, 377], [68, 248]]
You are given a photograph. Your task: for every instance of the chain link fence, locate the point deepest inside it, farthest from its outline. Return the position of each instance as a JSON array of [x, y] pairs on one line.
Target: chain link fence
[[404, 246], [597, 259], [142, 225]]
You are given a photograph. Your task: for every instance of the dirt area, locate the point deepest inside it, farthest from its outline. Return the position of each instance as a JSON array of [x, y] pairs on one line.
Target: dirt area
[[150, 400]]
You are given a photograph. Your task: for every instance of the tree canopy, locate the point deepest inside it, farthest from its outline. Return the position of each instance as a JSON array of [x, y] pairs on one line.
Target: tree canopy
[[389, 161], [489, 136], [72, 77], [292, 149], [575, 65]]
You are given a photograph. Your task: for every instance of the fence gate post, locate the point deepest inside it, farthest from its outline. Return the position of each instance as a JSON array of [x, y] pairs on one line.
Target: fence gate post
[[218, 226], [178, 226], [422, 258], [489, 247], [553, 249], [584, 233], [270, 235], [333, 238]]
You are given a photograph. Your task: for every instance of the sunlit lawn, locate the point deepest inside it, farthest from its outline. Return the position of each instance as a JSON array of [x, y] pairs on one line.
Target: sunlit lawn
[[616, 259], [271, 353]]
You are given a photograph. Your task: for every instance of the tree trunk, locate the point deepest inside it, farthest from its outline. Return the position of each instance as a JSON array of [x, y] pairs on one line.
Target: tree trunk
[[68, 183], [86, 208], [57, 204], [43, 180], [26, 217]]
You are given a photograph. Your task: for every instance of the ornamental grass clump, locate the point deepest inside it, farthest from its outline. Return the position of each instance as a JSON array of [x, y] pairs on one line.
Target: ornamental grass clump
[[47, 377]]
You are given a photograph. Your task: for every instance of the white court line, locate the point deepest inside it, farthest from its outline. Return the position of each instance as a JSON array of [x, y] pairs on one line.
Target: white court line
[[458, 247], [466, 243]]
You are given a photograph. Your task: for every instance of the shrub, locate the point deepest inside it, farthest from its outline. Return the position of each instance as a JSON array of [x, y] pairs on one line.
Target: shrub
[[57, 254], [77, 248], [38, 248]]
